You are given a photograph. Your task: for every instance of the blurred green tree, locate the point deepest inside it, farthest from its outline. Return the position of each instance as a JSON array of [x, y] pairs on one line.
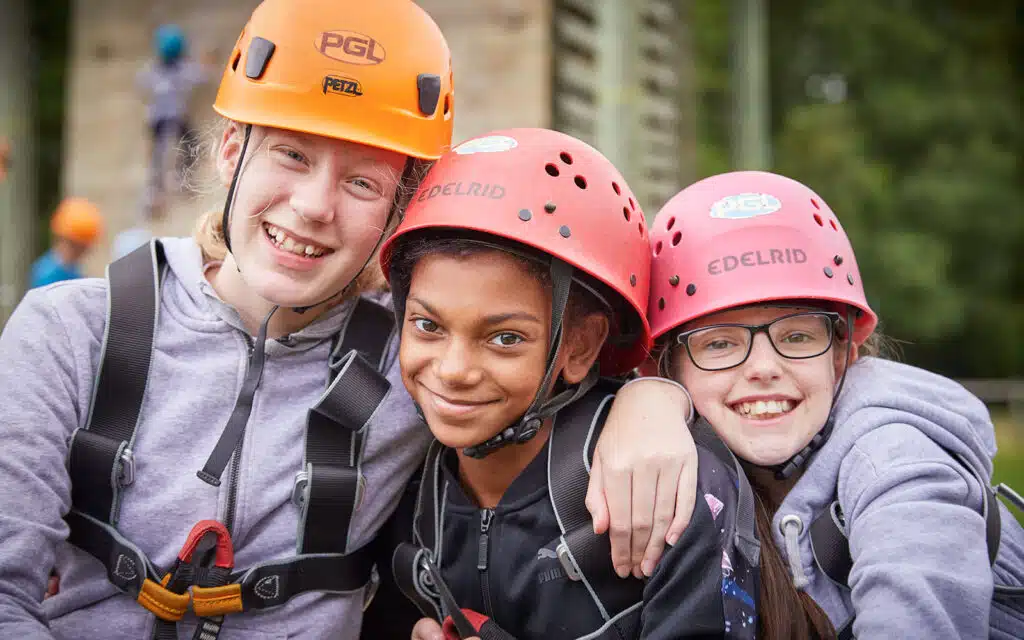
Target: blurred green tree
[[906, 117]]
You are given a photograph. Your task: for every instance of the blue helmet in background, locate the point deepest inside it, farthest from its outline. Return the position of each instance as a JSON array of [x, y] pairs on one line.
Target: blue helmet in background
[[169, 42]]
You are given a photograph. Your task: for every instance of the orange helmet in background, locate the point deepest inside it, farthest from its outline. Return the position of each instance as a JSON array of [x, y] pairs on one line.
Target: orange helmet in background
[[374, 72], [78, 220]]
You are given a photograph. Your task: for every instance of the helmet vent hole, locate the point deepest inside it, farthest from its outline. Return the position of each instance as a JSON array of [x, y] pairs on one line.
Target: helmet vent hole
[[625, 213], [833, 224], [632, 205], [818, 219], [234, 60], [658, 247], [676, 237], [616, 189], [552, 170], [815, 204], [580, 181], [661, 304], [565, 157], [447, 104], [671, 223], [640, 227]]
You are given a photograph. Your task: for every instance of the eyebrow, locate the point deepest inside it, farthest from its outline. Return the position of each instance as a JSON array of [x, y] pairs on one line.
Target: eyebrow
[[489, 320]]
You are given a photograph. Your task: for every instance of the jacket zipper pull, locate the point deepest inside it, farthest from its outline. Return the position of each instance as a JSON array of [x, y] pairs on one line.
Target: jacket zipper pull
[[485, 524]]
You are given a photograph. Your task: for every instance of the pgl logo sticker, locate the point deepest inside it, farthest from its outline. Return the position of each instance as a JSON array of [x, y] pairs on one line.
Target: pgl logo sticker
[[350, 47], [745, 205], [487, 144], [342, 85]]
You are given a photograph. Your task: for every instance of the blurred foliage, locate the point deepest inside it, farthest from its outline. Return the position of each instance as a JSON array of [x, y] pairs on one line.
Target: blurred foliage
[[906, 117]]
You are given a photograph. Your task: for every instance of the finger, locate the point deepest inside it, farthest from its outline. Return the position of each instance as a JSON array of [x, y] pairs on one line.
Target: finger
[[645, 488], [595, 500], [427, 629], [686, 500], [618, 491], [664, 511]]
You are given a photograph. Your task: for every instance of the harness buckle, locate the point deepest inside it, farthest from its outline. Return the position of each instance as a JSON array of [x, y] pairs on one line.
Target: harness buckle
[[126, 470], [565, 558], [300, 490]]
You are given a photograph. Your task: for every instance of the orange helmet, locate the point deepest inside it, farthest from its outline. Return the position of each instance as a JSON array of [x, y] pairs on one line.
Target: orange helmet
[[78, 220], [376, 72], [556, 194]]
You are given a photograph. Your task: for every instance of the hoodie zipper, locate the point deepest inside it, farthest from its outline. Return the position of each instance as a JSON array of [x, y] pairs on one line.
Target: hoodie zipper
[[236, 466], [483, 555]]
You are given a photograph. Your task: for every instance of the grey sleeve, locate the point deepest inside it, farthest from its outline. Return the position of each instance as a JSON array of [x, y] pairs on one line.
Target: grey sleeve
[[920, 564], [38, 411]]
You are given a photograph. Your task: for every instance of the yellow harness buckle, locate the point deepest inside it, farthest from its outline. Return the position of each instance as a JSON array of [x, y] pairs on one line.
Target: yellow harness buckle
[[162, 602], [217, 601]]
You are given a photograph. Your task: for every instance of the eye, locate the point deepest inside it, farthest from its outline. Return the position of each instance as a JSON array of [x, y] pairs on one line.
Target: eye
[[425, 325], [365, 185], [718, 344], [291, 155], [797, 338], [507, 339]]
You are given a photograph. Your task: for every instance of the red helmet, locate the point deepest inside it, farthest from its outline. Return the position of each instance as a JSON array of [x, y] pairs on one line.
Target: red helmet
[[748, 237], [554, 193]]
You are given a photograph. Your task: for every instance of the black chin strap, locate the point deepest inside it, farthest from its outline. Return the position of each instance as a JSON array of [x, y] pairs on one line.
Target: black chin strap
[[542, 406], [786, 469], [230, 199]]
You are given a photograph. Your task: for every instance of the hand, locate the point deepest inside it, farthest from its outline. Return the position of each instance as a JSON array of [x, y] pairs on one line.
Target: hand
[[429, 629], [643, 481]]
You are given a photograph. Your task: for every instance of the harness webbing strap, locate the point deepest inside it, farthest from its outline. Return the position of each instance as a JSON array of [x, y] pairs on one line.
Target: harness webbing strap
[[334, 427], [585, 556], [100, 459]]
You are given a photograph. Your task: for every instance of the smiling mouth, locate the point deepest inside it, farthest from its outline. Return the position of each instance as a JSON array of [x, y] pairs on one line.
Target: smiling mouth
[[280, 238], [764, 409]]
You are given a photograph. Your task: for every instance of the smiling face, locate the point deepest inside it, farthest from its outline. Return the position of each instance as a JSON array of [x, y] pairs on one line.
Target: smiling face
[[769, 407], [475, 343], [307, 212]]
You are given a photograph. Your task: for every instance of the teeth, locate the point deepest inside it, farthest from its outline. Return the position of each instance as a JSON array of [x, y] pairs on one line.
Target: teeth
[[765, 407], [286, 243]]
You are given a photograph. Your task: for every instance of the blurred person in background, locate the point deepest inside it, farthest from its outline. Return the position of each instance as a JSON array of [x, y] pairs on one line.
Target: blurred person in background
[[76, 225], [168, 82]]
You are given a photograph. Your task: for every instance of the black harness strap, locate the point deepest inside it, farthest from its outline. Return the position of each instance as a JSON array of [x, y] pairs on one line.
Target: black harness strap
[[409, 562], [100, 460], [584, 556]]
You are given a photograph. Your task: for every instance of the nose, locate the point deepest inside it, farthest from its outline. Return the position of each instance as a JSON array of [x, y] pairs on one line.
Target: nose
[[313, 196], [456, 365], [764, 363]]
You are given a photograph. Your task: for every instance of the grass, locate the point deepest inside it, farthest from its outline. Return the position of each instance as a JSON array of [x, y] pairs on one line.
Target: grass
[[1009, 462]]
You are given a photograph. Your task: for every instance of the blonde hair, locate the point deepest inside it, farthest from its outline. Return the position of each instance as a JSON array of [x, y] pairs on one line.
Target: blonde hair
[[208, 231]]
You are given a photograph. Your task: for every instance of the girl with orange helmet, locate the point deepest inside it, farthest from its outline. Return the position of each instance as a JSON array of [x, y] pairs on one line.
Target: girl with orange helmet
[[871, 476], [169, 429], [520, 273]]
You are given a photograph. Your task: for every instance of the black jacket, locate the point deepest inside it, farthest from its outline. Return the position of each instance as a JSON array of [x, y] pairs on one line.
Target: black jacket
[[503, 563]]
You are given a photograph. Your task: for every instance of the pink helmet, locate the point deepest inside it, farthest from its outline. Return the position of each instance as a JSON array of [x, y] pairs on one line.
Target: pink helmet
[[747, 237]]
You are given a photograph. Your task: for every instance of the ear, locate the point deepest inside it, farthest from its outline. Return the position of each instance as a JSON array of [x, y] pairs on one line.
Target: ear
[[582, 346], [840, 356], [229, 151]]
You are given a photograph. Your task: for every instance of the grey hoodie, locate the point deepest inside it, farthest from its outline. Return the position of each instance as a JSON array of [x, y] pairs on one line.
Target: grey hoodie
[[49, 353], [913, 514]]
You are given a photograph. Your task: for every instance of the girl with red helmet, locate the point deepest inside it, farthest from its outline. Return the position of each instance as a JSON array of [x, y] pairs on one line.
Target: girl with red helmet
[[758, 308], [521, 273]]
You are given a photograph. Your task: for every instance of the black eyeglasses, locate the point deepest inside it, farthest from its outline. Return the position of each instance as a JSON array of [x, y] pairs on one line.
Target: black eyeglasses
[[797, 336]]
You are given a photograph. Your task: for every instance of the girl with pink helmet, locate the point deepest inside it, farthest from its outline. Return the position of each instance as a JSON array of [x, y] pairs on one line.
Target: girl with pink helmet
[[872, 477]]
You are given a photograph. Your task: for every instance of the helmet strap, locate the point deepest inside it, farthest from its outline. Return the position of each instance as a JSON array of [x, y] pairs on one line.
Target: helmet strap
[[229, 200]]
